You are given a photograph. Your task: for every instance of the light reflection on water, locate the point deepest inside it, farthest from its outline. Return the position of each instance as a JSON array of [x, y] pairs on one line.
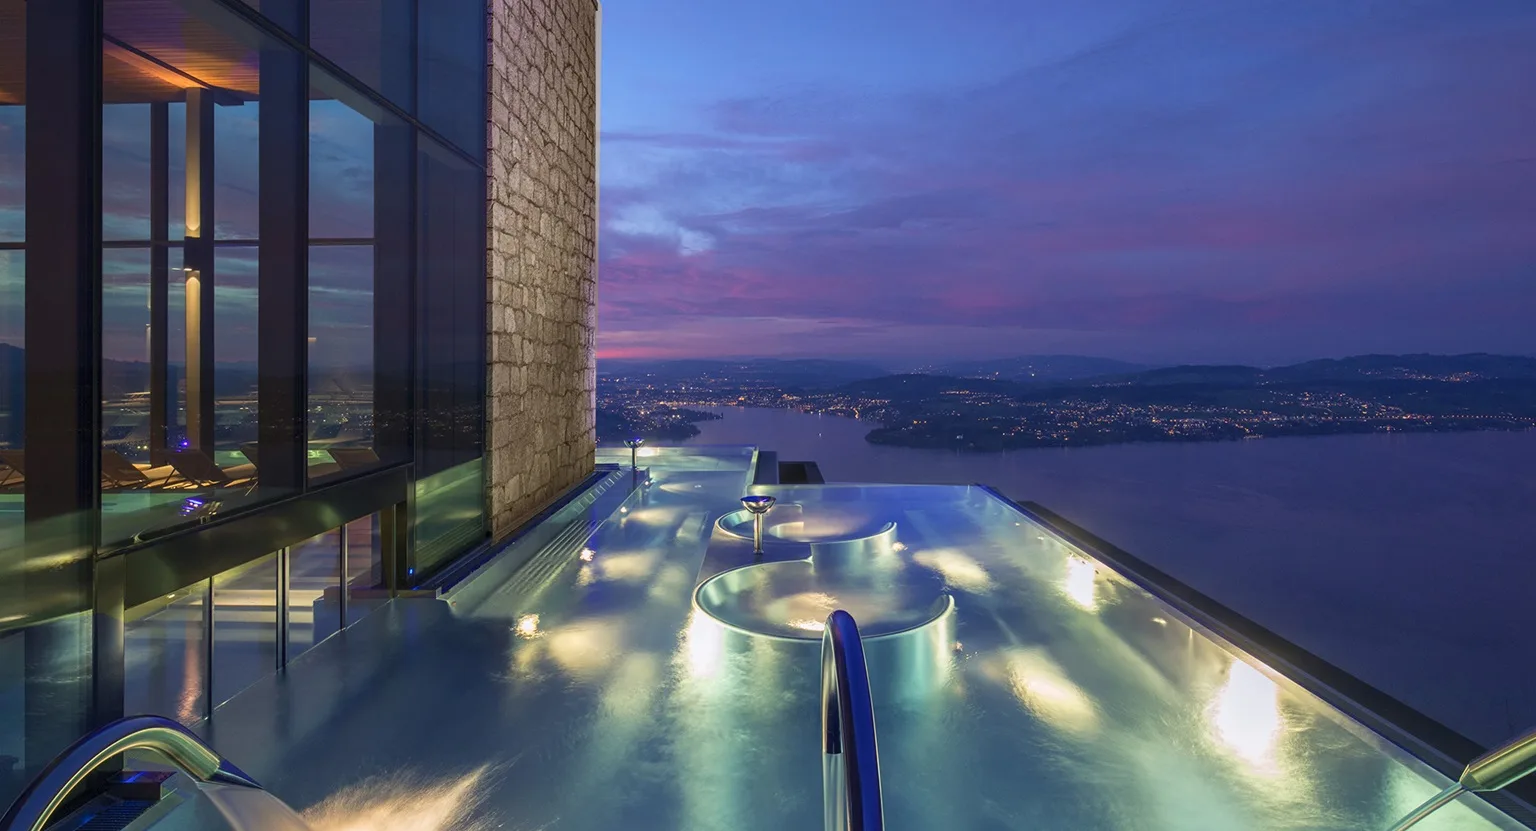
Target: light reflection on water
[[1246, 715], [407, 802]]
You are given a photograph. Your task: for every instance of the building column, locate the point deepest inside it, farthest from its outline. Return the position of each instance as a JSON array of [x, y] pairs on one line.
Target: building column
[[158, 348], [394, 268], [283, 272], [69, 673], [197, 265]]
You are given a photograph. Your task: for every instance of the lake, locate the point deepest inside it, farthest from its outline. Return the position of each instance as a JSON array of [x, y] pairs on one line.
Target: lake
[[1408, 560]]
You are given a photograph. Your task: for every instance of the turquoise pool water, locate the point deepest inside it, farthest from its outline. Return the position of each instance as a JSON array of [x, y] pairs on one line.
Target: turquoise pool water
[[589, 691]]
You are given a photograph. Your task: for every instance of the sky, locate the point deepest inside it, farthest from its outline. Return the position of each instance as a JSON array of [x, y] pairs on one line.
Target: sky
[[1151, 180]]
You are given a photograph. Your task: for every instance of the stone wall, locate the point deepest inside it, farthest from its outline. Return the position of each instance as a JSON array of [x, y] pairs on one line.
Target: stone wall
[[542, 241]]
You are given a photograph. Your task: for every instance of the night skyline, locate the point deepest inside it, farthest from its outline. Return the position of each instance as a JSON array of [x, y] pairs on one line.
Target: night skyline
[[1153, 181]]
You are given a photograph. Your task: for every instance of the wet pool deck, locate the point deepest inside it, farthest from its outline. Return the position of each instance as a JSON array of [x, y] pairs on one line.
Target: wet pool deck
[[589, 694]]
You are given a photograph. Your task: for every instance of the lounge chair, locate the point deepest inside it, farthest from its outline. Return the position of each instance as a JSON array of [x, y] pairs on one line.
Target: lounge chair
[[197, 469], [13, 467], [351, 458], [118, 472]]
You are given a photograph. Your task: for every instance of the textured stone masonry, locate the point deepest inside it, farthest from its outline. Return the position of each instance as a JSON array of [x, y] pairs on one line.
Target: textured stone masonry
[[542, 244]]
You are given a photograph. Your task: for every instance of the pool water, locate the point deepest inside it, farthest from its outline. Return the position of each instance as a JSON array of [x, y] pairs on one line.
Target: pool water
[[1025, 685]]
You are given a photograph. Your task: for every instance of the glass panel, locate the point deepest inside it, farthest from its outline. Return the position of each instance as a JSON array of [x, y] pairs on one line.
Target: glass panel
[[181, 147], [12, 400], [244, 626], [13, 161], [340, 359], [235, 347], [13, 178], [349, 199], [451, 72], [366, 589], [236, 169], [125, 279], [371, 39], [284, 13], [125, 170], [13, 709], [451, 309], [450, 516], [314, 603], [165, 656]]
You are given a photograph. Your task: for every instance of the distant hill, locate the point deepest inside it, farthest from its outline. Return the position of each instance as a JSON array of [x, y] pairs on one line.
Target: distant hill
[[918, 386], [1474, 366], [789, 372], [1039, 368], [1176, 383], [1470, 367]]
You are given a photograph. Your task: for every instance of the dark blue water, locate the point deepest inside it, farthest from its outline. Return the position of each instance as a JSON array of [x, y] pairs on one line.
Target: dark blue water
[[1410, 561]]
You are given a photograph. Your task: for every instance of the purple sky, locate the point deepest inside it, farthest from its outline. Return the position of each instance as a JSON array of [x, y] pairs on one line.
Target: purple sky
[[1155, 180]]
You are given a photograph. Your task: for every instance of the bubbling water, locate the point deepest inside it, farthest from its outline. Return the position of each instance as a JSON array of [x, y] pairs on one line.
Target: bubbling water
[[406, 802]]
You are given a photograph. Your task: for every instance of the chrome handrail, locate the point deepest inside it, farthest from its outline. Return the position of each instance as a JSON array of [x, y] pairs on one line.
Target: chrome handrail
[[42, 797], [850, 762], [1492, 771]]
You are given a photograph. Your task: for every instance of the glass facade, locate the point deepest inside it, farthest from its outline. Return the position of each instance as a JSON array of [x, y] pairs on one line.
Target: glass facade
[[254, 236]]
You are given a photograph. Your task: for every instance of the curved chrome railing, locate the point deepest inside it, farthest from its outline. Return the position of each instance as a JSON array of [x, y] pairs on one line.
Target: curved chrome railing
[[35, 807], [1492, 771], [850, 762]]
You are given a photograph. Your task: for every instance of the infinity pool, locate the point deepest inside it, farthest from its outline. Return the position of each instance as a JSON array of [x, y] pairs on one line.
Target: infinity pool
[[1019, 683]]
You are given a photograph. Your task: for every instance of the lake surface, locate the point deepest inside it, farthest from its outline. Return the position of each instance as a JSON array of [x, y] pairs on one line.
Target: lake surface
[[1409, 561]]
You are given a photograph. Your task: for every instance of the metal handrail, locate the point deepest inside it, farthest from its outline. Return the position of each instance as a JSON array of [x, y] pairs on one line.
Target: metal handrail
[[1492, 771], [850, 762], [43, 796]]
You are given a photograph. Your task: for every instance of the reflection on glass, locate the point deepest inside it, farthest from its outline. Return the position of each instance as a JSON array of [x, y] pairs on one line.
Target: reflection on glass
[[236, 175], [340, 359], [244, 626], [236, 344], [164, 655], [450, 308], [451, 70], [314, 605], [366, 38], [12, 403], [125, 347], [450, 516], [366, 589], [180, 155]]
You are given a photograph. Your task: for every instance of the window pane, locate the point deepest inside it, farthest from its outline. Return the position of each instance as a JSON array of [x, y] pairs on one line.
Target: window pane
[[450, 516], [244, 626], [235, 348], [371, 39], [451, 309], [340, 359], [13, 177], [314, 602], [13, 169], [181, 148], [360, 252], [165, 656], [366, 589], [451, 72], [125, 171], [237, 173]]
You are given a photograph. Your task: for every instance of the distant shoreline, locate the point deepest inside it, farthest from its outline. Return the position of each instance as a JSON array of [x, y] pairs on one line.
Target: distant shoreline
[[883, 436]]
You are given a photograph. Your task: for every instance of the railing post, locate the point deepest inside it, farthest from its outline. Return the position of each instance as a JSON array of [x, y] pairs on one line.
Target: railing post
[[850, 755]]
